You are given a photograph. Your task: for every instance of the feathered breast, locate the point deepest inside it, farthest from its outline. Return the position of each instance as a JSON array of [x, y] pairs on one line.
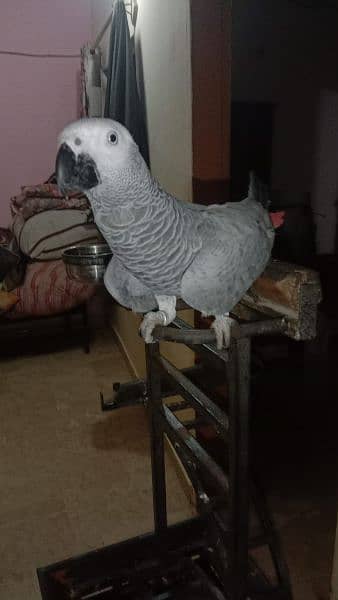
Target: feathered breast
[[157, 244]]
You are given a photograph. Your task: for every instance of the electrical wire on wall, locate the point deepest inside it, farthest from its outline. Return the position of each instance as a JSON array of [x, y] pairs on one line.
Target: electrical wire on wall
[[38, 55]]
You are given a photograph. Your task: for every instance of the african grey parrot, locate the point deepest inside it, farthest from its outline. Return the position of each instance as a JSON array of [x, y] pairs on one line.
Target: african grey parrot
[[163, 248]]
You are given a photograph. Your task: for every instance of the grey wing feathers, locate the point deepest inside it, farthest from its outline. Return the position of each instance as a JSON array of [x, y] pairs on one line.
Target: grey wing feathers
[[127, 289], [233, 255]]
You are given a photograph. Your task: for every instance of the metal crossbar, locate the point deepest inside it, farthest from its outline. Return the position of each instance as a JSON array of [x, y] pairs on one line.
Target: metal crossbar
[[195, 397], [180, 437]]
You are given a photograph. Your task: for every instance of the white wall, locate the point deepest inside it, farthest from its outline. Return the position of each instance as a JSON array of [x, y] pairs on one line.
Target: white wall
[[163, 45], [286, 54]]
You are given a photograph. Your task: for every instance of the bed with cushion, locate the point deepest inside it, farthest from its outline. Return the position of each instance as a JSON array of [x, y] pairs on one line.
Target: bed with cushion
[[37, 298]]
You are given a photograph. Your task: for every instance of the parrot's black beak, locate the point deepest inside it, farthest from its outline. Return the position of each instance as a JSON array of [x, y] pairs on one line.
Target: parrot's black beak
[[75, 173]]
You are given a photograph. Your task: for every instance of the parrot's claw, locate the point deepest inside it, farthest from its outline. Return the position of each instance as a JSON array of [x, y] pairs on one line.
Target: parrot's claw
[[164, 316], [150, 320], [222, 327]]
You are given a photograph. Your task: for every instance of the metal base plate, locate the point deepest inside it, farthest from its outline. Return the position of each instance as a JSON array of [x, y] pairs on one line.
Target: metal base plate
[[176, 565]]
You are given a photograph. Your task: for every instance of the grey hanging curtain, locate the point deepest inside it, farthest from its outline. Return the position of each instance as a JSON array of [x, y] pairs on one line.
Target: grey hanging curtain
[[122, 102]]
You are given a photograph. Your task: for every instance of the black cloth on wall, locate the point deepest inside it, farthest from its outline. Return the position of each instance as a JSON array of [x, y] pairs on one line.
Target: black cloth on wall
[[122, 102]]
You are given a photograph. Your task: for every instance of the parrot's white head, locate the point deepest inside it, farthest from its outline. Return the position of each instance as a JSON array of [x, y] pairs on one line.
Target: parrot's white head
[[91, 152]]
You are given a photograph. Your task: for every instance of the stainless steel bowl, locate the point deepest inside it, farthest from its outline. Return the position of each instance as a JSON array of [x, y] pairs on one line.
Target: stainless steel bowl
[[87, 262]]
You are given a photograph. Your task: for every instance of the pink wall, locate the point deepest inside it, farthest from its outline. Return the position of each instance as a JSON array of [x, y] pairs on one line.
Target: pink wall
[[37, 96]]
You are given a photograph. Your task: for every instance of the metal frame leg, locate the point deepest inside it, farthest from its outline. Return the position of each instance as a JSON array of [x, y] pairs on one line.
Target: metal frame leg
[[155, 410], [273, 538], [239, 383]]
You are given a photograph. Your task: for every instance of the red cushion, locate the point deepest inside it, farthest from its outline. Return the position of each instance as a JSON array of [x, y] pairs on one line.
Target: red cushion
[[47, 290]]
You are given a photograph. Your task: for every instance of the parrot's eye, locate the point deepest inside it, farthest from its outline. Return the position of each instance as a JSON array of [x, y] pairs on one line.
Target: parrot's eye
[[113, 138]]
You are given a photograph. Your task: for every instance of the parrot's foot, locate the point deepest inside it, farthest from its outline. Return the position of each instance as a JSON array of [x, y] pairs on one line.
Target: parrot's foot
[[150, 320], [165, 315], [222, 326]]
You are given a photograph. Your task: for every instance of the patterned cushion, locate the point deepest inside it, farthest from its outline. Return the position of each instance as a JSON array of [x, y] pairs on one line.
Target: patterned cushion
[[45, 235], [47, 290], [38, 198]]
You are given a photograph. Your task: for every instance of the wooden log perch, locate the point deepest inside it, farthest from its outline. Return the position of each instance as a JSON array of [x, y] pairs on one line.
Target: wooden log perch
[[284, 290]]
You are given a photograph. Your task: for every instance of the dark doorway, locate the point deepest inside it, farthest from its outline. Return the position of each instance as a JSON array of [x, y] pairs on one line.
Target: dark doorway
[[251, 144]]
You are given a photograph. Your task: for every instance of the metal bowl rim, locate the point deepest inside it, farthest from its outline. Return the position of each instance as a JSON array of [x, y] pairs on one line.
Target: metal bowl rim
[[96, 245], [72, 256]]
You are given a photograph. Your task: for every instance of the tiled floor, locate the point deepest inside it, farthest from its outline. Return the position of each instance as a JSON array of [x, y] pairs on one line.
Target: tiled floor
[[73, 478]]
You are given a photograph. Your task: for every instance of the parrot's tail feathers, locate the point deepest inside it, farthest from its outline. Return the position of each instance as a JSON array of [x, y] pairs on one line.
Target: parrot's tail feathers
[[258, 191]]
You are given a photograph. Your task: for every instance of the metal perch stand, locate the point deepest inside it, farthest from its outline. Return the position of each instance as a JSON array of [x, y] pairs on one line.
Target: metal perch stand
[[210, 556]]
